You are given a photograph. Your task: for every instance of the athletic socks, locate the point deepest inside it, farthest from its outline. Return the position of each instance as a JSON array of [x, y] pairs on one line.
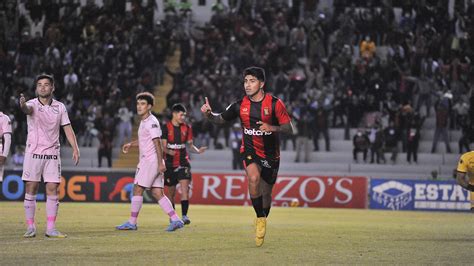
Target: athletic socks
[[137, 202], [184, 207], [267, 211], [30, 208], [258, 206], [52, 205], [167, 207]]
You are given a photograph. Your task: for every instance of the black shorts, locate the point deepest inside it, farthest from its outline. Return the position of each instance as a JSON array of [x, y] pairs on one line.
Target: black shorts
[[174, 174], [269, 168]]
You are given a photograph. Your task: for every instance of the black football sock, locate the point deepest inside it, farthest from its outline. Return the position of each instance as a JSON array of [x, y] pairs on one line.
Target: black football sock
[[258, 206], [184, 207], [267, 211]]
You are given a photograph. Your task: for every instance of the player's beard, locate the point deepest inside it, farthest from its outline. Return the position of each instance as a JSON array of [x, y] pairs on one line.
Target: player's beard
[[45, 95], [255, 93]]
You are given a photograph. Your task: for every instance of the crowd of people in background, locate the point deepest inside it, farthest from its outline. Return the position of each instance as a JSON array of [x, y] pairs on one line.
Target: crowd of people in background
[[359, 65]]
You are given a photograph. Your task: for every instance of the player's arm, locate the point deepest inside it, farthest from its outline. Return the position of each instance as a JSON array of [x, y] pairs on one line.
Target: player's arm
[[193, 149], [159, 154], [285, 126], [164, 145], [7, 140], [219, 118], [463, 181], [127, 146], [71, 138], [28, 110]]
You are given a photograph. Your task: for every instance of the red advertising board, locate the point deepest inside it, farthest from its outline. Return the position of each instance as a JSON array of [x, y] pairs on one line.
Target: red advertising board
[[311, 191], [207, 188]]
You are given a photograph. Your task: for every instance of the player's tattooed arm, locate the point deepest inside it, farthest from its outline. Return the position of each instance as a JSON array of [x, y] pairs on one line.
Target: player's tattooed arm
[[284, 128], [28, 110], [463, 181], [215, 118]]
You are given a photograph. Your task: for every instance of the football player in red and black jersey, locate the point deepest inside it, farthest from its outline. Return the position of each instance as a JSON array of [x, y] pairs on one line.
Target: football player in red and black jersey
[[263, 118], [177, 139]]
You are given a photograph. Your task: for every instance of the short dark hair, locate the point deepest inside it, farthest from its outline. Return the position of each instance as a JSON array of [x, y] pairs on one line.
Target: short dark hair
[[148, 97], [178, 107], [45, 76], [257, 72]]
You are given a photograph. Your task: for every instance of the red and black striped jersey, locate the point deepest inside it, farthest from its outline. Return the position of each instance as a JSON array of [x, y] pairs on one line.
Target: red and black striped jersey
[[177, 137], [270, 110]]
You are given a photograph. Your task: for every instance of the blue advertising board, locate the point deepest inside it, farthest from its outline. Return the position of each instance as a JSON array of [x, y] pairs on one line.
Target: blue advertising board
[[418, 195]]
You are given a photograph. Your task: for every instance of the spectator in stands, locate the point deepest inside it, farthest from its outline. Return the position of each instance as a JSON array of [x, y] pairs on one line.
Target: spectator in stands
[[467, 136], [392, 136], [367, 48], [321, 123], [235, 142], [125, 124], [376, 138], [105, 147], [361, 143], [302, 116], [441, 130], [413, 139]]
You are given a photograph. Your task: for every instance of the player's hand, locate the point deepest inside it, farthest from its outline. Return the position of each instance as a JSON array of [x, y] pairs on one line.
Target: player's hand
[[162, 167], [206, 107], [469, 187], [126, 147], [75, 157], [171, 152], [3, 159], [202, 149], [265, 127], [22, 100]]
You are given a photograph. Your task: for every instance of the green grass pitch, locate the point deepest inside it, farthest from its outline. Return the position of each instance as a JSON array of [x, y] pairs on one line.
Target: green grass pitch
[[225, 235]]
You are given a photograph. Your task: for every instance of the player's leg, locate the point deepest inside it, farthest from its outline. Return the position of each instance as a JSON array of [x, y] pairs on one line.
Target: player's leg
[[268, 179], [170, 182], [31, 176], [52, 178], [31, 190], [184, 178], [253, 174], [266, 196], [52, 206], [184, 183], [135, 207], [165, 204]]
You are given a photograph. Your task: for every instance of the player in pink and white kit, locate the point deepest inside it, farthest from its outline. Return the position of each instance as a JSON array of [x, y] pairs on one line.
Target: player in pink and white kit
[[45, 116], [6, 140], [151, 166]]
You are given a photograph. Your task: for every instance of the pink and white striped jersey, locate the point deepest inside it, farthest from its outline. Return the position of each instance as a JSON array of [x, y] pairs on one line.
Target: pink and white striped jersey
[[43, 126], [149, 129]]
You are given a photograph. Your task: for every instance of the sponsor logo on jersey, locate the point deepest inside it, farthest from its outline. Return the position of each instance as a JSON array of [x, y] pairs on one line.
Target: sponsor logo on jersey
[[45, 157], [176, 146], [255, 132]]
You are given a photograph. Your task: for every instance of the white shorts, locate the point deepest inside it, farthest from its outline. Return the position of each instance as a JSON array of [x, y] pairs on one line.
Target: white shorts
[[46, 165], [147, 175]]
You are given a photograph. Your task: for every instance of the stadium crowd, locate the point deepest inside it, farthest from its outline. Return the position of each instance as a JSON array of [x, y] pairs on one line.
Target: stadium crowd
[[359, 65]]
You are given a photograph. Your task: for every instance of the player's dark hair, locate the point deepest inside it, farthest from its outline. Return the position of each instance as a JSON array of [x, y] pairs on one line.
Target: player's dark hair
[[257, 72], [148, 97], [178, 107], [45, 76]]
